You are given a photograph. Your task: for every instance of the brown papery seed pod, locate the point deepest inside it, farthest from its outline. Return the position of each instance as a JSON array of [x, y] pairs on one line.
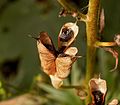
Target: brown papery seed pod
[[98, 89], [46, 52], [67, 35]]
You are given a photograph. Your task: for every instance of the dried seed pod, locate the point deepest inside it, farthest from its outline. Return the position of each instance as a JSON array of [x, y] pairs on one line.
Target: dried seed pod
[[98, 91], [46, 53], [57, 64], [117, 39], [67, 35]]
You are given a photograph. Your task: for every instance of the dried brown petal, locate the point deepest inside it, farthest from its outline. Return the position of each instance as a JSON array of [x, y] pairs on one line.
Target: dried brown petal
[[98, 91], [46, 53], [114, 102], [67, 35], [63, 66]]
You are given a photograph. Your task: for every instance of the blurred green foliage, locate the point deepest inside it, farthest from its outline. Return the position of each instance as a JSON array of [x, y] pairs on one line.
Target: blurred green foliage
[[19, 18]]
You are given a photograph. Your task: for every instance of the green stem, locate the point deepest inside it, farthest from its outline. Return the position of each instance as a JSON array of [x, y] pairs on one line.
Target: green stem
[[91, 31]]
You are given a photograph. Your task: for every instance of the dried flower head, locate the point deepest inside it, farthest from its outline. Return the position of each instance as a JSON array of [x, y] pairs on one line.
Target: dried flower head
[[57, 64]]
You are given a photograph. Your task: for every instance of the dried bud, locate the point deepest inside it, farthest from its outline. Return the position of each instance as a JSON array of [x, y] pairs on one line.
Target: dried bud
[[98, 90], [46, 52], [117, 39]]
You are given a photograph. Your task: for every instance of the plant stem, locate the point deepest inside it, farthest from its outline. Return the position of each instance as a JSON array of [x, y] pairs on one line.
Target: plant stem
[[73, 87], [105, 44], [91, 31]]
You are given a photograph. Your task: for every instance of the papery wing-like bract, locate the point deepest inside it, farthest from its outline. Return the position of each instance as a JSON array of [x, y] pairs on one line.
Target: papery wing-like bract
[[46, 53], [64, 63]]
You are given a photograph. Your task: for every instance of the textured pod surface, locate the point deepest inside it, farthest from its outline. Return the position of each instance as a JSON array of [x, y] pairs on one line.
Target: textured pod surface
[[57, 64], [64, 63], [63, 66], [67, 35]]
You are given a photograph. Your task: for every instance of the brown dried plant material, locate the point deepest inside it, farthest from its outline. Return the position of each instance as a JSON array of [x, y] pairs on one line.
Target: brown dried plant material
[[67, 35], [64, 63], [98, 89], [114, 102], [46, 53], [57, 64]]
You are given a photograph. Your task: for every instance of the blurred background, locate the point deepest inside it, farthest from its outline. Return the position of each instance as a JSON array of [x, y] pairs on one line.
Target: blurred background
[[19, 61]]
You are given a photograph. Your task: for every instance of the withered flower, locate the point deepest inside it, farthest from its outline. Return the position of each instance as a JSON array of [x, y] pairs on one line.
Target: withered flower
[[57, 64], [98, 89]]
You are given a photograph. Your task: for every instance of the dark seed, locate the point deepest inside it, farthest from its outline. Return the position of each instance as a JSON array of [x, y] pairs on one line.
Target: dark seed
[[66, 34]]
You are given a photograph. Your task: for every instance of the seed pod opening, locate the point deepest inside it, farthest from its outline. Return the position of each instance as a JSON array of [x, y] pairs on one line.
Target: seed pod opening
[[67, 35], [98, 91]]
